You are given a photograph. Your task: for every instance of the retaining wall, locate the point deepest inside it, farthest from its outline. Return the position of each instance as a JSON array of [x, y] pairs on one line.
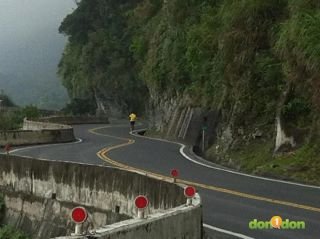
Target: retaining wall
[[34, 125], [37, 133], [28, 137], [102, 188], [174, 118]]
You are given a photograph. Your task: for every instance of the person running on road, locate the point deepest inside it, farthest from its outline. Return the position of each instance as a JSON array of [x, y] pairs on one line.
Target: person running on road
[[132, 118]]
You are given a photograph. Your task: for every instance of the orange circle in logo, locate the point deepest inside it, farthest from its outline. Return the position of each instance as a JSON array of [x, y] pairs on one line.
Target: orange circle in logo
[[276, 222]]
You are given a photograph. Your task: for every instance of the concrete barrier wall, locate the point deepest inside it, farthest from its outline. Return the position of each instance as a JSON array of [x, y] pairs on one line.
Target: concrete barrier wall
[[37, 133], [101, 187], [34, 125], [29, 137], [47, 217], [70, 120], [89, 185], [179, 223], [184, 222]]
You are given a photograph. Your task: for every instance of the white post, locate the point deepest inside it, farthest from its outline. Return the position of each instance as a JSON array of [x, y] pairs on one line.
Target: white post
[[78, 230], [140, 213], [189, 201]]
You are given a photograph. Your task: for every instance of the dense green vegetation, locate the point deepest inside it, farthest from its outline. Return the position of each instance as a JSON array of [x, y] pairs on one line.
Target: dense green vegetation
[[221, 53], [11, 117], [80, 107], [97, 60], [250, 60], [8, 232]]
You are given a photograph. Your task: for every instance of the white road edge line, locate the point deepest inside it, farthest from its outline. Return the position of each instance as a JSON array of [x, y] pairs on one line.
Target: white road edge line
[[225, 170], [244, 174], [79, 140], [227, 232]]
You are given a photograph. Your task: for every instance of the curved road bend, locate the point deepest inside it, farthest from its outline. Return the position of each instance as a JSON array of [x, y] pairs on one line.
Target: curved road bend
[[230, 201]]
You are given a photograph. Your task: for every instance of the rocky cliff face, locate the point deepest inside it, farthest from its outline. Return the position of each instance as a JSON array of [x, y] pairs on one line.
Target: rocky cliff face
[[177, 118]]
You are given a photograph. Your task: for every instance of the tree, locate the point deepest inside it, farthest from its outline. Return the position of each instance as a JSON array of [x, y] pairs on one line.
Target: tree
[[5, 100], [81, 107]]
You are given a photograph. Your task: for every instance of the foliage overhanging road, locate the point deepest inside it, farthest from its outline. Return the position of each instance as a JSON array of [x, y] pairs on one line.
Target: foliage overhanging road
[[230, 201]]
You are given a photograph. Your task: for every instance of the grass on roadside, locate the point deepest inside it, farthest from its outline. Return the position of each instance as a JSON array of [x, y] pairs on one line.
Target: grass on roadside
[[301, 165]]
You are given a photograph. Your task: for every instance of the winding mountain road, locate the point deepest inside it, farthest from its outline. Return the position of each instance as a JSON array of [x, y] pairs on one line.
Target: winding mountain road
[[230, 200]]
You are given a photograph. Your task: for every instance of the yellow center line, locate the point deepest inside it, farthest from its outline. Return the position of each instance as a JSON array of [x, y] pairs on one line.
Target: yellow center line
[[103, 155]]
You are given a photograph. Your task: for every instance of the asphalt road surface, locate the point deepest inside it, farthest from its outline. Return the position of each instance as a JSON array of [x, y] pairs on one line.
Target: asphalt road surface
[[230, 200]]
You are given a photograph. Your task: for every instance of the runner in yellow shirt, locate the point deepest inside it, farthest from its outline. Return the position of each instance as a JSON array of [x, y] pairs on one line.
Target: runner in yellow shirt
[[132, 118]]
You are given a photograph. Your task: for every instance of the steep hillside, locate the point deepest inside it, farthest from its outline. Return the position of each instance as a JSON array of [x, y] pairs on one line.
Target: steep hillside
[[97, 63], [249, 67]]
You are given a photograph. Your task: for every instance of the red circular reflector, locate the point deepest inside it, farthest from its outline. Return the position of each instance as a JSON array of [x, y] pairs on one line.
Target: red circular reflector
[[141, 202], [79, 214], [189, 192], [174, 173]]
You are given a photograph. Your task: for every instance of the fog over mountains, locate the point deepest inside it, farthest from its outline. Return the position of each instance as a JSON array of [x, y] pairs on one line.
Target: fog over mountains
[[30, 49]]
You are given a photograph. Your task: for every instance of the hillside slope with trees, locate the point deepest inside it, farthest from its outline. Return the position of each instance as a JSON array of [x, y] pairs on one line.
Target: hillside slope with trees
[[255, 63]]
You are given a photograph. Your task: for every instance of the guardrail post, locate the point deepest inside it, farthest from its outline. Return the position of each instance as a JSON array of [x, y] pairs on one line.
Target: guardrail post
[[78, 230], [141, 202], [78, 215], [140, 213], [174, 174], [189, 193]]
